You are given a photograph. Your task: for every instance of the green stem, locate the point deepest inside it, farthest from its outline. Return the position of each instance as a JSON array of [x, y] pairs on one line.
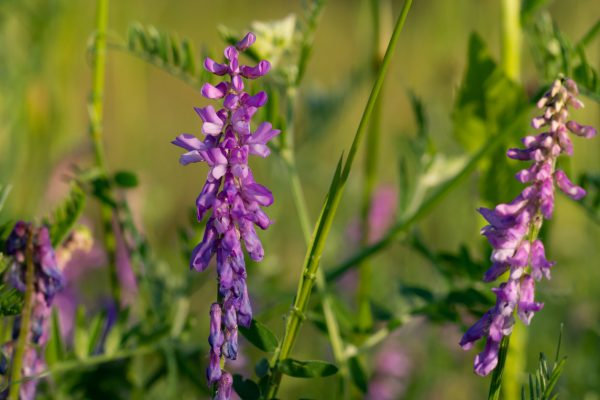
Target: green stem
[[496, 381], [365, 319], [511, 63], [511, 38], [288, 156], [405, 223], [321, 231], [17, 367], [96, 114]]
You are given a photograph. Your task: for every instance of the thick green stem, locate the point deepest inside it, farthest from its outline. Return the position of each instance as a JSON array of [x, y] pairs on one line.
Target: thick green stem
[[321, 231], [96, 114], [511, 38], [17, 367], [511, 63]]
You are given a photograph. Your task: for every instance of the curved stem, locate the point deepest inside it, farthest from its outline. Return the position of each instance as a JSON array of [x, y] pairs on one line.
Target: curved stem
[[17, 367], [321, 231]]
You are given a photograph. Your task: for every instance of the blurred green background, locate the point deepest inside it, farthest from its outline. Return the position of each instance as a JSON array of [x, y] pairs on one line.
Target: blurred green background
[[44, 86]]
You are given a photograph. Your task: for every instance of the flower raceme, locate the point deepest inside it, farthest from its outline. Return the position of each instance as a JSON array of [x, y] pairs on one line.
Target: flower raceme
[[230, 197], [513, 227], [48, 281]]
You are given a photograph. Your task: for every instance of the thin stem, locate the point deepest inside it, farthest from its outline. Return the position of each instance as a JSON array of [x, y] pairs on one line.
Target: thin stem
[[96, 114], [17, 367], [365, 318], [511, 38], [288, 156], [321, 231]]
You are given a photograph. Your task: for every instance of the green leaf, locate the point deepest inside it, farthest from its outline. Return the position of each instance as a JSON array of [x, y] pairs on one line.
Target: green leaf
[[55, 351], [66, 215], [529, 8], [262, 368], [306, 369], [125, 179], [260, 336], [488, 104], [81, 338], [4, 192], [358, 374], [11, 301], [247, 389]]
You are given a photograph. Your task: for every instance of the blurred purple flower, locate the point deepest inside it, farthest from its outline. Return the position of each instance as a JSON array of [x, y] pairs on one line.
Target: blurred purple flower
[[48, 281], [392, 367], [513, 227], [231, 197]]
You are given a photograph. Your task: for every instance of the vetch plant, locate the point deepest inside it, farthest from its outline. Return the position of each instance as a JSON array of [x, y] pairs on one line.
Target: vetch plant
[[514, 227], [34, 271], [232, 199]]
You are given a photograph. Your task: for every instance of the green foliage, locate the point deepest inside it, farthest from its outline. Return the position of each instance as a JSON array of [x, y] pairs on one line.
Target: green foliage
[[62, 220], [591, 202], [11, 301], [166, 51], [260, 336], [487, 104], [306, 369], [544, 379], [358, 374], [4, 192], [555, 54], [247, 389], [125, 179]]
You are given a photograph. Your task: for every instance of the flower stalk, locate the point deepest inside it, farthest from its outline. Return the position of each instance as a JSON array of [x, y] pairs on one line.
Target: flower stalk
[[96, 128], [321, 231]]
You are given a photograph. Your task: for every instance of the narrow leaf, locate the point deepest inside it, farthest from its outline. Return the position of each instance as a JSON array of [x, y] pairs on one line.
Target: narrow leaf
[[306, 369], [66, 215], [260, 336]]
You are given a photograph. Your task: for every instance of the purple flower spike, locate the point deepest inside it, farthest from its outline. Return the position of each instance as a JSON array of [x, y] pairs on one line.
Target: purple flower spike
[[48, 281], [512, 225], [230, 197], [224, 387]]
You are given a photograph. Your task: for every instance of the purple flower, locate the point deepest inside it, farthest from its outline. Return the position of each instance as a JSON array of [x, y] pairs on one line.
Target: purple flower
[[230, 197], [513, 227], [48, 281]]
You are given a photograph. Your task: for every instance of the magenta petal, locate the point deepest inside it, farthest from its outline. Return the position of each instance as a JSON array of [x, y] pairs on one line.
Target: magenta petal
[[258, 193], [214, 92], [527, 307], [486, 361], [246, 42], [190, 157], [581, 130], [212, 66], [567, 187], [261, 69], [263, 134], [258, 100]]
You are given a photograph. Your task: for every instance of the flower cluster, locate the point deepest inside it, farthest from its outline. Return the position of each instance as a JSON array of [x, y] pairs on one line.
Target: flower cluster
[[48, 280], [513, 228], [230, 197]]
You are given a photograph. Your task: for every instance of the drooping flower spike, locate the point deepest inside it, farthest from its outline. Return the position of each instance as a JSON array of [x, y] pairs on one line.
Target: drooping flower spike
[[513, 227], [230, 197]]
